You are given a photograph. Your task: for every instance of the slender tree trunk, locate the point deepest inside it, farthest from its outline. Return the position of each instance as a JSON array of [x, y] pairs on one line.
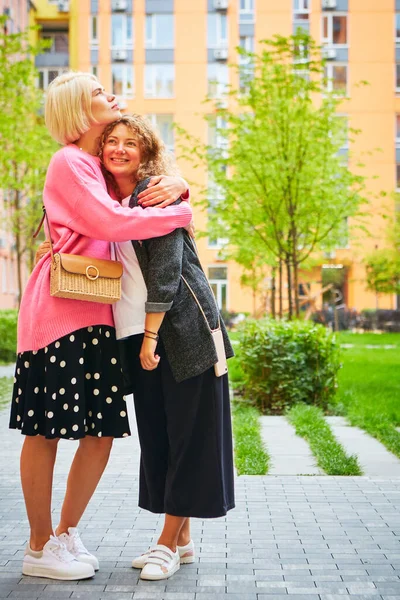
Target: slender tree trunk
[[273, 293], [289, 282], [280, 288], [296, 288]]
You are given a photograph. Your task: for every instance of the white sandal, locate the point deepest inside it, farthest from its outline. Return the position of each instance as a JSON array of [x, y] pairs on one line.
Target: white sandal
[[186, 553], [161, 563]]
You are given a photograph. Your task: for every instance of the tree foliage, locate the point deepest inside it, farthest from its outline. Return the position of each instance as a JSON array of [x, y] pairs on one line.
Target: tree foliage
[[283, 187], [25, 143], [383, 265]]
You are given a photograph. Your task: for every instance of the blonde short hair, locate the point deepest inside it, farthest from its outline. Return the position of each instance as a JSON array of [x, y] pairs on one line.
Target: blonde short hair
[[68, 112]]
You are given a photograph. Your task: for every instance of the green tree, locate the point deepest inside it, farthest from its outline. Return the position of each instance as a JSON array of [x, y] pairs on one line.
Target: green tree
[[26, 146], [284, 189], [383, 265]]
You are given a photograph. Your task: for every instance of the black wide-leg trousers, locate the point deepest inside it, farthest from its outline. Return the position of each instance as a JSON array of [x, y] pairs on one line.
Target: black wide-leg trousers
[[185, 433]]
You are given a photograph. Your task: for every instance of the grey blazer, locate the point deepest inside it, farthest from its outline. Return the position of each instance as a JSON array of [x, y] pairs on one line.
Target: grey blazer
[[187, 340]]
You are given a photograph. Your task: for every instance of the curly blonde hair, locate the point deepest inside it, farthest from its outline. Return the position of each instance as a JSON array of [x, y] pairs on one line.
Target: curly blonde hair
[[155, 159]]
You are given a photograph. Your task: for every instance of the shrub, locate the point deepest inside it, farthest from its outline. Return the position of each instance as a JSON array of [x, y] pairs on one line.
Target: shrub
[[285, 362], [8, 335]]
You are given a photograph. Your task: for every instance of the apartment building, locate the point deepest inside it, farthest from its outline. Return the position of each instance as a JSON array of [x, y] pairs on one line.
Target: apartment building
[[161, 57]]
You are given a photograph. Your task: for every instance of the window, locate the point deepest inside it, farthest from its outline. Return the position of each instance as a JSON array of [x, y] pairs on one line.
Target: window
[[398, 176], [301, 10], [246, 42], [46, 76], [59, 42], [121, 31], [397, 27], [398, 78], [217, 30], [122, 80], [336, 78], [218, 80], [159, 81], [334, 29], [159, 31], [94, 34], [218, 278], [94, 69], [344, 131], [246, 11], [164, 124], [397, 131], [216, 138]]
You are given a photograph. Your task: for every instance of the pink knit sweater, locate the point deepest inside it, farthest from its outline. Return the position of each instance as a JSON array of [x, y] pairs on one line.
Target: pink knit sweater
[[84, 219]]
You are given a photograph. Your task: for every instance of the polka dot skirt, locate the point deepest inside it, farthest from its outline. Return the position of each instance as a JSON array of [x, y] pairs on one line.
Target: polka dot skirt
[[71, 388]]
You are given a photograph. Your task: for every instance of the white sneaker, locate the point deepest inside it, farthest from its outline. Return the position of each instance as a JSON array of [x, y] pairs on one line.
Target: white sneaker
[[55, 562], [161, 563], [75, 546], [186, 554]]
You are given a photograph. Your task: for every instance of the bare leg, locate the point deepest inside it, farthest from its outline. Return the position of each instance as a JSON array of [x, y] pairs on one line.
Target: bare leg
[[170, 533], [88, 465], [37, 465], [184, 534]]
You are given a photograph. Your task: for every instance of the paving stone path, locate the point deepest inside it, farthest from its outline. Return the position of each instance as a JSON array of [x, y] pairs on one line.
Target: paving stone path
[[291, 455], [308, 538]]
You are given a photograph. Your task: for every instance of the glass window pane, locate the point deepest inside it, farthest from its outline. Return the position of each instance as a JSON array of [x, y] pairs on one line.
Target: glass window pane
[[397, 126], [398, 76], [339, 75], [117, 37], [94, 28], [117, 80], [129, 28], [397, 25], [339, 27], [224, 30], [149, 28], [218, 273], [212, 36], [325, 26], [223, 296], [398, 176], [164, 31], [61, 42]]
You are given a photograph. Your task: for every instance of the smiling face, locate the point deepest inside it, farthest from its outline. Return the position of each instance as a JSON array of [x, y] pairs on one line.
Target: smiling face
[[121, 153], [104, 107]]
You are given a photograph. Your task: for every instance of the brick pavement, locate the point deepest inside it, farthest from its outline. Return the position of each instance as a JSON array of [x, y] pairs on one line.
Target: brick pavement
[[309, 538]]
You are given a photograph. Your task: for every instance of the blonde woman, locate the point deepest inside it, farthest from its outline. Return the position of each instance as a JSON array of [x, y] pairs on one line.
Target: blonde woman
[[68, 380]]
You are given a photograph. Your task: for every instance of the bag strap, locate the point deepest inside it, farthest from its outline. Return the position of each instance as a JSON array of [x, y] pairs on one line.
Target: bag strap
[[48, 227], [194, 295]]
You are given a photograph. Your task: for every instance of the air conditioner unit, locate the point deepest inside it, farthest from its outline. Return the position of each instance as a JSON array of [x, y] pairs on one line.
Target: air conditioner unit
[[221, 4], [328, 4], [119, 5], [119, 54], [221, 53], [63, 6], [329, 53]]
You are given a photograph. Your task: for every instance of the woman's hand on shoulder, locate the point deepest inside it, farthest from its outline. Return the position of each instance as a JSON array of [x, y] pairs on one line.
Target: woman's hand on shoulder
[[162, 191], [148, 359]]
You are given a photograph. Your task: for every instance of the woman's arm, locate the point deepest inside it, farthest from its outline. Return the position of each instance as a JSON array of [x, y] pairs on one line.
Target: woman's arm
[[89, 210], [148, 359], [163, 190], [163, 278]]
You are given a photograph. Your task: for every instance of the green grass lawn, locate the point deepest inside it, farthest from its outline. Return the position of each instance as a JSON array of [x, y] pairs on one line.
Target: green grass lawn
[[369, 386]]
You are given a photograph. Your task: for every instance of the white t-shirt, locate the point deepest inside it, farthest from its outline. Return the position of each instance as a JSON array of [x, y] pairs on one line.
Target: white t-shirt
[[129, 313]]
